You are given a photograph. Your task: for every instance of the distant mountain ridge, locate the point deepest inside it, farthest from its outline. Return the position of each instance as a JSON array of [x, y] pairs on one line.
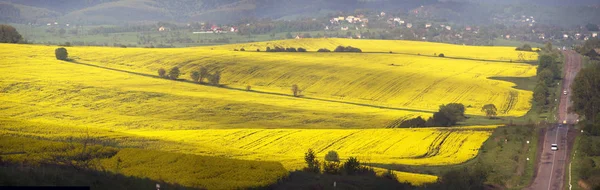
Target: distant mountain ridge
[[116, 11]]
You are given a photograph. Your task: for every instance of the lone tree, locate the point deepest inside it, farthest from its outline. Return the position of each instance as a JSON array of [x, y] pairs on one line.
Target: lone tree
[[203, 74], [61, 54], [295, 90], [8, 34], [312, 164], [332, 156], [162, 73], [174, 73], [195, 76], [490, 110]]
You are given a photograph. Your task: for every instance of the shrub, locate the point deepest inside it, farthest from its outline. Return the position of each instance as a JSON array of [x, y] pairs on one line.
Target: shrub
[[441, 55], [332, 156], [235, 50], [414, 122], [323, 50], [268, 49], [331, 167], [174, 73], [351, 166], [257, 50], [162, 73], [61, 54], [242, 49], [301, 50], [291, 49], [248, 88]]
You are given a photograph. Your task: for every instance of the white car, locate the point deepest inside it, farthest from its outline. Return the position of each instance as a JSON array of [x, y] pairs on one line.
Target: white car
[[554, 147], [565, 92]]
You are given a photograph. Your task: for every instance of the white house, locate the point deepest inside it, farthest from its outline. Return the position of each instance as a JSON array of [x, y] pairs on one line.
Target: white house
[[344, 28], [595, 34], [409, 25], [565, 36], [448, 28], [427, 25]]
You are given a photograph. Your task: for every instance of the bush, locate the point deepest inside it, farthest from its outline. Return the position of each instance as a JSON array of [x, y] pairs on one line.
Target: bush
[[61, 54], [441, 55], [248, 88], [174, 73], [414, 122], [332, 156], [323, 50], [257, 50], [331, 167], [268, 49], [242, 49], [291, 49], [162, 73], [301, 50], [351, 166]]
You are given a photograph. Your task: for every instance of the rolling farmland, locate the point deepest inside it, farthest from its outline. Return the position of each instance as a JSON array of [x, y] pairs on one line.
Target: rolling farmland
[[348, 98]]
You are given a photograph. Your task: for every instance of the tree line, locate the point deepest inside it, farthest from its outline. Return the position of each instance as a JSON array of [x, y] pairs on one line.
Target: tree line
[[548, 73]]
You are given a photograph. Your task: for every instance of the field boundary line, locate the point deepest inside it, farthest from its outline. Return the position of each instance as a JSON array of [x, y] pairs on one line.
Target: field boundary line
[[255, 91]]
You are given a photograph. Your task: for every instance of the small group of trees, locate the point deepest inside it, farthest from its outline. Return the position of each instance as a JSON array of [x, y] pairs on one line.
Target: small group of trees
[[281, 49], [347, 49], [548, 72], [323, 50], [173, 73], [332, 164], [448, 115], [197, 76], [202, 73]]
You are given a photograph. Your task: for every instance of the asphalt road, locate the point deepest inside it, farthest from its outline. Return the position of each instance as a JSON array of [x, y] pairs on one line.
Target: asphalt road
[[552, 165]]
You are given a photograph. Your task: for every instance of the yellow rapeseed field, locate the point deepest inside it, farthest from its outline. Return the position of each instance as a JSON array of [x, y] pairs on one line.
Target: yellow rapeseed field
[[114, 92], [391, 80], [397, 46]]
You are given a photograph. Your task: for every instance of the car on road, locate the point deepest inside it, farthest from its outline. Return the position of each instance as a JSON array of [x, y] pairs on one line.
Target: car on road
[[554, 147], [565, 92]]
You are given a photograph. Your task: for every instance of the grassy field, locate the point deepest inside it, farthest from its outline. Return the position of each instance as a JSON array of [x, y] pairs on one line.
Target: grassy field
[[114, 93]]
